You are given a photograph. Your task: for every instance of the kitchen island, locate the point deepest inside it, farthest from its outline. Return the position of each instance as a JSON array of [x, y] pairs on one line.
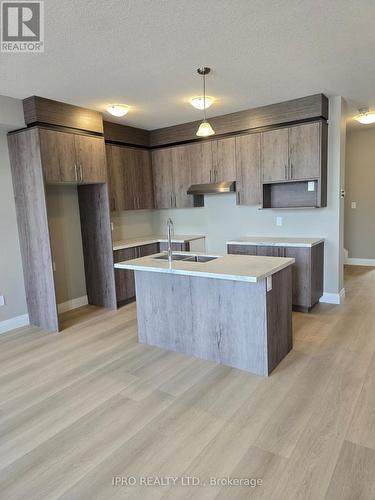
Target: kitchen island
[[235, 309]]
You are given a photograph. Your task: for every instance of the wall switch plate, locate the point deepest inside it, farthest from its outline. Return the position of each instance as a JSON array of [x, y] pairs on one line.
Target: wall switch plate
[[311, 186], [354, 204], [269, 283], [2, 300], [279, 221]]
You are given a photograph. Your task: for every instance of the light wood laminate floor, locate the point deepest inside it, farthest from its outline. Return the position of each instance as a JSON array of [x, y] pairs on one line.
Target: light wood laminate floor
[[80, 407]]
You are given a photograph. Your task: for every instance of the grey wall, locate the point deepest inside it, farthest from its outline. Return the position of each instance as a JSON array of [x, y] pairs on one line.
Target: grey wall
[[66, 242], [360, 187], [11, 275]]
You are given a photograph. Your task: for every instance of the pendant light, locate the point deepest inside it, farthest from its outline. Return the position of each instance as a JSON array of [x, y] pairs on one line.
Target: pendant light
[[205, 128]]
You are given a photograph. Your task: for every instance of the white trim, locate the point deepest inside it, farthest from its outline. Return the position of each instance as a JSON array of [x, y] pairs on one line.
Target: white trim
[[333, 298], [13, 323], [360, 262], [72, 304]]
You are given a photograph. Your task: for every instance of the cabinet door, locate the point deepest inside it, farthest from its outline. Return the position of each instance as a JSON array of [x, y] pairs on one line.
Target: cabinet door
[[248, 185], [181, 175], [150, 249], [304, 151], [274, 155], [162, 177], [144, 193], [224, 159], [58, 156], [301, 273], [267, 251], [125, 283], [200, 157], [242, 249], [91, 159], [176, 247], [121, 178]]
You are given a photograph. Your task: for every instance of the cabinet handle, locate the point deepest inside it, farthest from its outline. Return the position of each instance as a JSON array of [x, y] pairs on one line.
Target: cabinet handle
[[75, 169], [291, 170], [175, 201], [286, 171], [238, 197], [171, 200], [210, 175]]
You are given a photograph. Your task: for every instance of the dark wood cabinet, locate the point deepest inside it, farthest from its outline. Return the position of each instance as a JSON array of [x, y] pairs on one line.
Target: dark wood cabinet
[[124, 278], [68, 157], [58, 155], [176, 247], [248, 185], [223, 160], [307, 270], [274, 155], [162, 160], [304, 151], [130, 178], [91, 159]]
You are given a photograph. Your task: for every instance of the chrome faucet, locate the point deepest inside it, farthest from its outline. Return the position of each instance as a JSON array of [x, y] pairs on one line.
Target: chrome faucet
[[170, 232]]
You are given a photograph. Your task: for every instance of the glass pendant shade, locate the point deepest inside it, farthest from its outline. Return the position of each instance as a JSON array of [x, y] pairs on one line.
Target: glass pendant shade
[[205, 129]]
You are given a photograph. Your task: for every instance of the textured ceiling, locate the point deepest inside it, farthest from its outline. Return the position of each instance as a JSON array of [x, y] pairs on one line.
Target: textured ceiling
[[145, 53]]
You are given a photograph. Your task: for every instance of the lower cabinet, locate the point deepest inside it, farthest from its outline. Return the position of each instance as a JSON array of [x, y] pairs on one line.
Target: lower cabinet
[[307, 270], [124, 278], [176, 247]]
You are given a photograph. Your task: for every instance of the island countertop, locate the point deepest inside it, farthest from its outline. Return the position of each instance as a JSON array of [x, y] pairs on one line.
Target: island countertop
[[276, 241], [146, 240], [248, 268]]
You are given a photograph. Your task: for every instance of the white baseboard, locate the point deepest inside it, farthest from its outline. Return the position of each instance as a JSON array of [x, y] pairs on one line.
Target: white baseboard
[[13, 323], [72, 304], [333, 298], [360, 262]]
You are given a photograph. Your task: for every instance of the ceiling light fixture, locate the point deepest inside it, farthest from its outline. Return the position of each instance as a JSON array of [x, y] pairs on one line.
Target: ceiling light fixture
[[205, 128], [199, 101], [365, 117], [118, 109]]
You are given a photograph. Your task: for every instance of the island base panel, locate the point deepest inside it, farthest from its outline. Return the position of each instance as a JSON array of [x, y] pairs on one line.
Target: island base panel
[[236, 323]]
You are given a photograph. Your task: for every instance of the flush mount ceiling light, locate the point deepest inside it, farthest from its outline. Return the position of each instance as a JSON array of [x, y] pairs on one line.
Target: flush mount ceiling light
[[365, 117], [118, 109], [199, 102], [205, 128]]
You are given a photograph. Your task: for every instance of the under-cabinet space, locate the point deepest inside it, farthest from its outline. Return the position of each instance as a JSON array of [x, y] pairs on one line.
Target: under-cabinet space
[[299, 194]]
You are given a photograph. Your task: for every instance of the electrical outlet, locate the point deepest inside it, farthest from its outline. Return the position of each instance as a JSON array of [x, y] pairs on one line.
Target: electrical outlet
[[279, 221], [354, 204], [311, 186], [2, 300], [112, 226]]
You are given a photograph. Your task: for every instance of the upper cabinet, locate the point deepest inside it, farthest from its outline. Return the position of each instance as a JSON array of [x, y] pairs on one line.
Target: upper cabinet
[[305, 151], [247, 176], [224, 160], [130, 178], [73, 158], [293, 153], [172, 174], [274, 155]]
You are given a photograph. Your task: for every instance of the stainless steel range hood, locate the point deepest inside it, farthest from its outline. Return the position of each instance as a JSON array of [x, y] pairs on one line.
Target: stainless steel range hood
[[212, 188]]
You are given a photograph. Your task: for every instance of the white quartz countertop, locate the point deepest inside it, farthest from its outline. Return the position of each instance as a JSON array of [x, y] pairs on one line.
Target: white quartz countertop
[[276, 241], [248, 268], [147, 240]]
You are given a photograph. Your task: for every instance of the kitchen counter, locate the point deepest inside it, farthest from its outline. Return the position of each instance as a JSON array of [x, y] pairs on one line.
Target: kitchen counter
[[276, 241], [228, 267], [235, 310], [147, 240]]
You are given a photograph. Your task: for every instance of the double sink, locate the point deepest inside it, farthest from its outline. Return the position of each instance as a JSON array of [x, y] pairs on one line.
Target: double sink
[[187, 257]]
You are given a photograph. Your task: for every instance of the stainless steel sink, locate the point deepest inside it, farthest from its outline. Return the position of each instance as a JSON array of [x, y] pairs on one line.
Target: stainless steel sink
[[187, 258], [174, 257]]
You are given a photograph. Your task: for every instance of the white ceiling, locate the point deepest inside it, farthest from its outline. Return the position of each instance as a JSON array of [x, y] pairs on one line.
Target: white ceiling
[[145, 53]]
